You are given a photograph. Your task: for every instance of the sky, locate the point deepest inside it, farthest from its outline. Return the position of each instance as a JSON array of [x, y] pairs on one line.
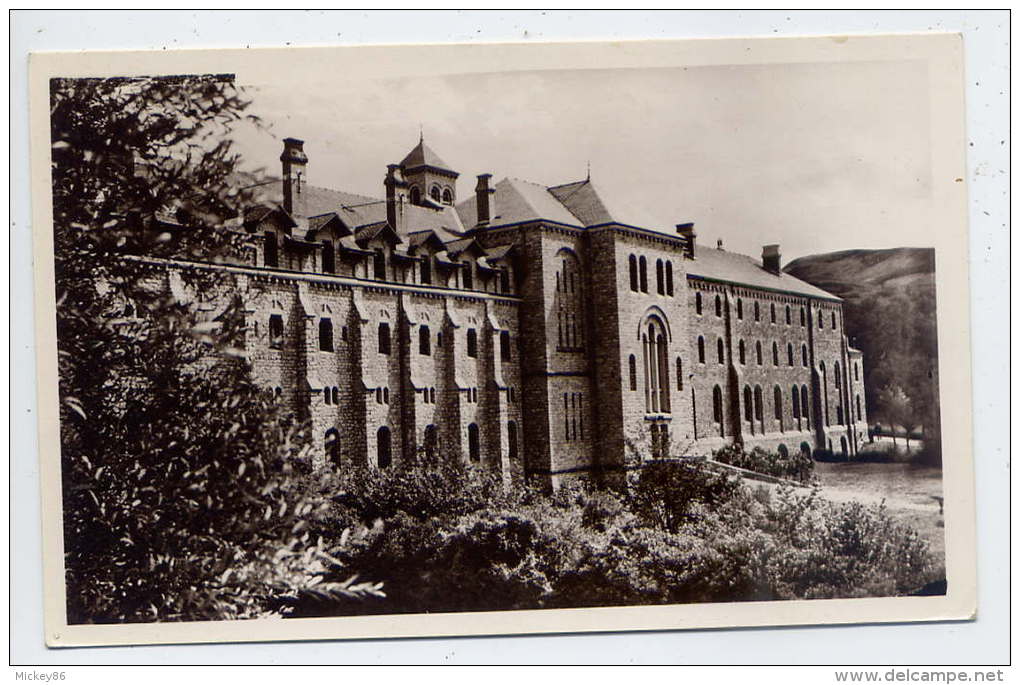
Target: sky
[[817, 157]]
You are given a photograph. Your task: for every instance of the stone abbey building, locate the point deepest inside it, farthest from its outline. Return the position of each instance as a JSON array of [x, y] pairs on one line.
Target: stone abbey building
[[530, 329]]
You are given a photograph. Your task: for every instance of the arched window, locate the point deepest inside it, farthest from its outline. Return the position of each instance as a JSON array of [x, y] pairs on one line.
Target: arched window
[[804, 403], [757, 351], [632, 264], [325, 335], [474, 448], [424, 340], [379, 264], [748, 404], [384, 455], [772, 312], [270, 252], [858, 403], [643, 273], [331, 446], [326, 395], [386, 395], [789, 354], [803, 355], [857, 372], [472, 343], [415, 195], [697, 303], [717, 405], [701, 349], [835, 374], [570, 305], [435, 193], [660, 278], [328, 257], [336, 395], [805, 449], [803, 320], [430, 441], [718, 306], [447, 196], [740, 352], [384, 338], [632, 363], [720, 351], [275, 331], [656, 366], [777, 402], [740, 308], [425, 269], [775, 354], [679, 374], [468, 276], [511, 440], [432, 395], [757, 311], [504, 346], [789, 319], [834, 328], [759, 404], [821, 321], [669, 278], [795, 394]]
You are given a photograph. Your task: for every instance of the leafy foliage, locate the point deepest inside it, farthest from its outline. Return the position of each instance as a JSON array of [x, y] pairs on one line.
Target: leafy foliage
[[795, 465]]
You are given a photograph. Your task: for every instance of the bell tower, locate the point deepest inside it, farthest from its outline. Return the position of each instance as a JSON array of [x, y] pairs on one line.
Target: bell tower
[[431, 182]]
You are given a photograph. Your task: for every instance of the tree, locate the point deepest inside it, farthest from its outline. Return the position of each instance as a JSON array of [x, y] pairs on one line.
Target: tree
[[183, 489], [897, 408]]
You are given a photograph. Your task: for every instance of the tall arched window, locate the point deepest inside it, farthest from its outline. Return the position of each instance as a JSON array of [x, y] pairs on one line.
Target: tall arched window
[[669, 278], [821, 321], [775, 354], [643, 273], [777, 403], [697, 303], [835, 375], [384, 338], [789, 354], [435, 193], [720, 351], [632, 363], [834, 321], [472, 343], [331, 445], [857, 372], [325, 335], [804, 403], [789, 319], [858, 403], [759, 404], [384, 455], [660, 278], [504, 346], [803, 320], [718, 306], [632, 263], [679, 374], [740, 352], [474, 448], [424, 340], [415, 195], [570, 303], [336, 395], [740, 308], [717, 408], [656, 366], [270, 251], [757, 351], [748, 404], [447, 196], [795, 394], [701, 349], [328, 257], [825, 394], [803, 355], [757, 311], [511, 440], [772, 312]]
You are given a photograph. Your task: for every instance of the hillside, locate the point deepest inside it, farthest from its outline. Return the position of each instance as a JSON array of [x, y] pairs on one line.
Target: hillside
[[890, 316]]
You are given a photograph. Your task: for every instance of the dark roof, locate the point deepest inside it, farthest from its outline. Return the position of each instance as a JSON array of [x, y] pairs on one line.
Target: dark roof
[[584, 202], [422, 155], [739, 269], [517, 201]]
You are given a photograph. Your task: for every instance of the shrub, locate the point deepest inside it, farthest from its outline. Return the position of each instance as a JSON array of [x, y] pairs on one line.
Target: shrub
[[667, 491], [795, 465]]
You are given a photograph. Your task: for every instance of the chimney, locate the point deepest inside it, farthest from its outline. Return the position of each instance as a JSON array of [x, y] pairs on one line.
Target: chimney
[[687, 231], [294, 192], [770, 258], [718, 244], [486, 199], [396, 196]]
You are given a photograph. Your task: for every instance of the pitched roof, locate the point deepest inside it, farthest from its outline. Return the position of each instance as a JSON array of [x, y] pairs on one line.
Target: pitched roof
[[584, 202], [423, 155], [517, 201], [740, 269]]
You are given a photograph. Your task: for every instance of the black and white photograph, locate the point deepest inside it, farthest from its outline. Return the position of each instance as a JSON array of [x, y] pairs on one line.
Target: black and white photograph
[[442, 332]]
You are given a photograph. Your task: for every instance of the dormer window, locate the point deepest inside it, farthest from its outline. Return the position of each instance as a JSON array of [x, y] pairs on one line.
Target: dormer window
[[379, 264]]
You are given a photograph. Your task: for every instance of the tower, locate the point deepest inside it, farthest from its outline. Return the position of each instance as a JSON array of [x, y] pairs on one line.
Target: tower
[[430, 180]]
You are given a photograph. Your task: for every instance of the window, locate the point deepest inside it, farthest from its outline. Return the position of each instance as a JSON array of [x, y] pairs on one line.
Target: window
[[271, 250], [424, 341], [386, 395], [504, 346], [660, 278], [632, 363], [789, 354], [803, 356], [425, 270], [328, 257], [326, 395], [434, 193], [669, 278], [643, 273], [430, 441], [474, 448], [278, 393], [432, 395], [821, 321], [717, 407], [469, 276], [439, 339], [789, 318], [858, 403], [697, 302], [775, 354], [772, 312], [275, 331], [336, 395], [718, 306], [795, 394], [384, 338], [415, 195], [777, 403], [803, 319], [759, 404], [511, 440], [379, 264], [748, 404], [740, 308], [325, 335], [740, 352], [384, 457], [679, 374], [757, 312], [720, 351], [447, 196], [632, 263], [656, 366], [331, 446], [839, 414], [504, 280], [835, 374], [834, 321], [472, 343], [757, 351], [804, 404], [857, 372]]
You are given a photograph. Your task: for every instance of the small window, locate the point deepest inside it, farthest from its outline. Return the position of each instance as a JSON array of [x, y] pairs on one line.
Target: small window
[[447, 196], [803, 355], [701, 349], [720, 351], [327, 396], [775, 354], [804, 403], [325, 335], [740, 352], [336, 395], [504, 280], [795, 394], [748, 404], [757, 312], [717, 405], [511, 439], [632, 364], [435, 193], [697, 303], [276, 331], [789, 354], [271, 250], [385, 395], [415, 195], [669, 278], [660, 278], [424, 341], [474, 448], [472, 343], [384, 456], [759, 404], [757, 352], [803, 319], [425, 269], [857, 372], [328, 257], [379, 264], [789, 318], [718, 306], [834, 321], [504, 346], [439, 339], [821, 321], [632, 262], [469, 276], [432, 395], [740, 308], [331, 445], [679, 374], [643, 273], [772, 312], [777, 403], [384, 338]]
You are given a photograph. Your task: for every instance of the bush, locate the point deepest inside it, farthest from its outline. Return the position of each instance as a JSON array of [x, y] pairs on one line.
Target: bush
[[794, 466], [668, 491]]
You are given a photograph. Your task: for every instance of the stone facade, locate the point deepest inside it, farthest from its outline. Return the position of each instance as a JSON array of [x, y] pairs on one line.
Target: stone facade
[[528, 329]]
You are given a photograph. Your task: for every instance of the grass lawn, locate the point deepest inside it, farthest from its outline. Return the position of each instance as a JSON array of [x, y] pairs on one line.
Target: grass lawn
[[909, 492]]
